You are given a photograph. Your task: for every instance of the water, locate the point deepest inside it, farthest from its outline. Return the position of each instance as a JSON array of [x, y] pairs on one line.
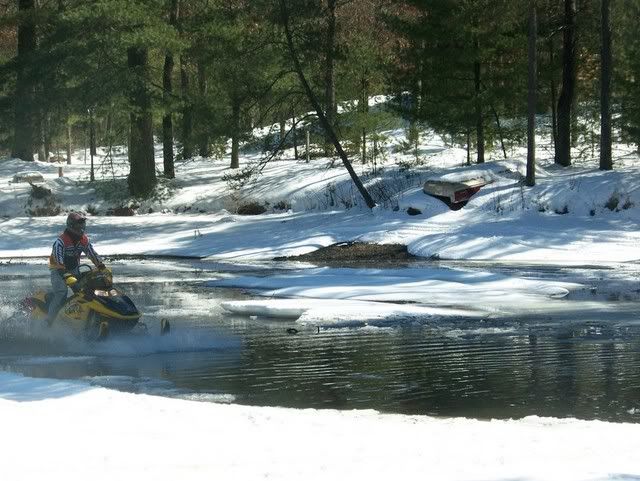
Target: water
[[582, 360]]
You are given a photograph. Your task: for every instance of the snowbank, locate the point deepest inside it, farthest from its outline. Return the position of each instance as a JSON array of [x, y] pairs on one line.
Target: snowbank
[[59, 430]]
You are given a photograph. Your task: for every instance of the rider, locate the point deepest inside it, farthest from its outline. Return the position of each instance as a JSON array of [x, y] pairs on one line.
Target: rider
[[65, 260]]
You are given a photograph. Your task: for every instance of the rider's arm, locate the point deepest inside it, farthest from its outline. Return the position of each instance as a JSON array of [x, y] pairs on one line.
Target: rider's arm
[[93, 255], [56, 260]]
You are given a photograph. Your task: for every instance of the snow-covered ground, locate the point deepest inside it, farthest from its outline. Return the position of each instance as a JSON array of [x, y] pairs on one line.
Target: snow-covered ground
[[573, 215], [577, 215], [59, 430]]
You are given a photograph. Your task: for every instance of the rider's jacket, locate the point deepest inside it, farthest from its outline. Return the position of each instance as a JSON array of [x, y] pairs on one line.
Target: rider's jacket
[[66, 252]]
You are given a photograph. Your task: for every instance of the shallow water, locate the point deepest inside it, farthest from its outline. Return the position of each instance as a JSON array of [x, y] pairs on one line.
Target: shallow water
[[581, 359]]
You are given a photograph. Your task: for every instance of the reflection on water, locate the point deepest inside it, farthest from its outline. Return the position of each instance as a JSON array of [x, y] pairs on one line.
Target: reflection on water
[[582, 362]]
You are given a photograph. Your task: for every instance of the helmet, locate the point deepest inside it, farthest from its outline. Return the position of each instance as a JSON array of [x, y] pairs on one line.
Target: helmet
[[76, 223]]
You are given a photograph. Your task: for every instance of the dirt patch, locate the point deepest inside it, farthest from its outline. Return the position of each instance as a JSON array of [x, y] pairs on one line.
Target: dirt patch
[[355, 252]]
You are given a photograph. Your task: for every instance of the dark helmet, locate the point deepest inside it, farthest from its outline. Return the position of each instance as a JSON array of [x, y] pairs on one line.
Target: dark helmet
[[76, 223]]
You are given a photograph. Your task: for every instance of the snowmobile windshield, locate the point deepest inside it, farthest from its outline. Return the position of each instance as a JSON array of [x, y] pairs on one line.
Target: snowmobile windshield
[[96, 280]]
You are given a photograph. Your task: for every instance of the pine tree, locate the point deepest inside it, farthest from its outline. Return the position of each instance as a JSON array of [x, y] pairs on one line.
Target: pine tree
[[605, 88], [567, 94], [468, 66], [533, 94], [25, 82], [167, 85], [626, 86]]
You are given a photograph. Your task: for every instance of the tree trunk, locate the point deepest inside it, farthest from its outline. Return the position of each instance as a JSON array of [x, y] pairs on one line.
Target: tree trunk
[[284, 14], [203, 138], [93, 146], [419, 95], [167, 95], [235, 136], [294, 132], [283, 129], [187, 113], [24, 108], [69, 142], [47, 135], [39, 131], [478, 106], [500, 132], [533, 95], [329, 72], [168, 156], [167, 119], [554, 99], [142, 176], [364, 109], [567, 94], [606, 162]]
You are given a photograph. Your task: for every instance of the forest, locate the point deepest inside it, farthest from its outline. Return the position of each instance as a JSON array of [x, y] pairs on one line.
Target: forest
[[192, 74]]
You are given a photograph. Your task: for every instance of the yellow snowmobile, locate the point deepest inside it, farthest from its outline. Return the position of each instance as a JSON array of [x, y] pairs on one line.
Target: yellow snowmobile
[[95, 309]]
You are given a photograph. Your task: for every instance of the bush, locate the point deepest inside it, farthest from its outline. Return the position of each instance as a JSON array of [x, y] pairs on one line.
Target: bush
[[236, 180], [121, 211], [44, 211], [42, 202], [612, 202], [92, 209], [38, 192], [252, 208], [282, 205]]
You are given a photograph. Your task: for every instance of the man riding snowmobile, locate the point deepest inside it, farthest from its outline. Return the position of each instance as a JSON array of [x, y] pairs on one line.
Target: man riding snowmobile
[[97, 307], [65, 260]]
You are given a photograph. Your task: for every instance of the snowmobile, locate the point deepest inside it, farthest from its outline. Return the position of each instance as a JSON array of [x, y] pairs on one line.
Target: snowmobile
[[96, 308]]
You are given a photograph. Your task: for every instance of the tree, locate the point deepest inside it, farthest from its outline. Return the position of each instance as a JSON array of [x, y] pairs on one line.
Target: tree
[[24, 87], [330, 106], [628, 70], [367, 47], [533, 95], [8, 49], [142, 176], [468, 67], [167, 84], [284, 18], [567, 94], [606, 162]]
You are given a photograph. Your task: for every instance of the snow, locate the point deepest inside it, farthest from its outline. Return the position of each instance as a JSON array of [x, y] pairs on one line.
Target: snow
[[571, 216], [61, 430], [67, 430], [341, 313], [327, 296]]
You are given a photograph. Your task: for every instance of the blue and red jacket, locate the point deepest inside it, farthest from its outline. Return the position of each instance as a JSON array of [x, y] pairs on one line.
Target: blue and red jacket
[[67, 250]]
